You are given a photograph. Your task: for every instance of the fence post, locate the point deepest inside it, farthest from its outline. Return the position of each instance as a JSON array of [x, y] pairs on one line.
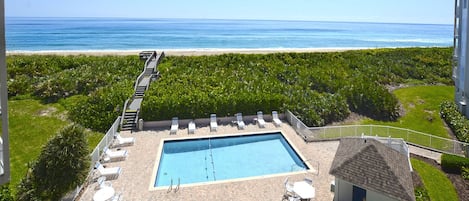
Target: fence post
[[454, 147], [430, 141]]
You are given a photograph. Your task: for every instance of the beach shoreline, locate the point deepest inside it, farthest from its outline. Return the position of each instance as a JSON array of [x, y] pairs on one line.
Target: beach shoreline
[[184, 52]]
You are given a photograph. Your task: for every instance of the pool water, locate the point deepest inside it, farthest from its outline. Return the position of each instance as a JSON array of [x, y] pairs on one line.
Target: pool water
[[222, 158]]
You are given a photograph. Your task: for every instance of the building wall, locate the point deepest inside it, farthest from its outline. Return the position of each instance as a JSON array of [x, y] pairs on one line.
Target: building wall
[[4, 143], [461, 51], [344, 192], [373, 196]]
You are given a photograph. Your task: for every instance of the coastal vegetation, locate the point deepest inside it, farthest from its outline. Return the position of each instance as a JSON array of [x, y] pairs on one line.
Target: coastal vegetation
[[91, 88], [320, 88]]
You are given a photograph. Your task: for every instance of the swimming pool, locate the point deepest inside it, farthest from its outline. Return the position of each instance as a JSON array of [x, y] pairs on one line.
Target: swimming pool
[[223, 158]]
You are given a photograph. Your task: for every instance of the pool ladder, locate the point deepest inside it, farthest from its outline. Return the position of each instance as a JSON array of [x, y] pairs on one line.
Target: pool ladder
[[211, 157], [171, 186]]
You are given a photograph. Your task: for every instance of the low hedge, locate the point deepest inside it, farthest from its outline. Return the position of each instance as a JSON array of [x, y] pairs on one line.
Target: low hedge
[[455, 120], [198, 104], [453, 164]]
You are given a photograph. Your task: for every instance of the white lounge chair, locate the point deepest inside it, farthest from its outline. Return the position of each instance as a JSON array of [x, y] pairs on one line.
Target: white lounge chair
[[191, 127], [260, 119], [123, 141], [239, 121], [174, 126], [213, 122], [109, 173], [275, 119], [102, 183], [110, 156]]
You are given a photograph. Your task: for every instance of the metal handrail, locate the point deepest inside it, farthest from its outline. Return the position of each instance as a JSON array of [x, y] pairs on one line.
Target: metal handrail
[[136, 119], [123, 111], [170, 188], [177, 187]]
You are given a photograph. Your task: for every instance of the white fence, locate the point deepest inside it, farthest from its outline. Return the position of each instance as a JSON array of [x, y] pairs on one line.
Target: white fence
[[94, 156], [410, 136], [105, 142]]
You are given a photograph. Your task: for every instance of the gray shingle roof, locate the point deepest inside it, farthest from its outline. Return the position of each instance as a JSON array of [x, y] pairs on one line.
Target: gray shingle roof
[[374, 166]]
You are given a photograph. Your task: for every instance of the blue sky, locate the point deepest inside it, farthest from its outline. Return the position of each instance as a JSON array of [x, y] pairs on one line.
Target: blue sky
[[401, 11]]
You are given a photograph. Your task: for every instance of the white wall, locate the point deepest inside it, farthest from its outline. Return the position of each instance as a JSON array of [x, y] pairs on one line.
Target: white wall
[[373, 196], [344, 192]]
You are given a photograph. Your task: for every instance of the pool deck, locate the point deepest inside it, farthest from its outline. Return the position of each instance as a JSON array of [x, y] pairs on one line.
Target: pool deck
[[138, 169]]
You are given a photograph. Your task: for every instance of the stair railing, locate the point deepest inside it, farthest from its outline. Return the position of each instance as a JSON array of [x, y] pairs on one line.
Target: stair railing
[[123, 112], [136, 118]]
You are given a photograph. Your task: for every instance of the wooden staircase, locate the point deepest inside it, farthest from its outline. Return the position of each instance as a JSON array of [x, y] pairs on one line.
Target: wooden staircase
[[140, 92], [130, 120], [131, 111]]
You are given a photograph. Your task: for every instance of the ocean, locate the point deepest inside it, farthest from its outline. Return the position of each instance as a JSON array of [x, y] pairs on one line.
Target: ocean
[[110, 34]]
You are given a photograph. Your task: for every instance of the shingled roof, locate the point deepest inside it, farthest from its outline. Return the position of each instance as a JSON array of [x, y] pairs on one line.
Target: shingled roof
[[374, 166]]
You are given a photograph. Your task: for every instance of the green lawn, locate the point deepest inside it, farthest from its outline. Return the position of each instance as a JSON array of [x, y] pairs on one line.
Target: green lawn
[[422, 107], [31, 125], [439, 187]]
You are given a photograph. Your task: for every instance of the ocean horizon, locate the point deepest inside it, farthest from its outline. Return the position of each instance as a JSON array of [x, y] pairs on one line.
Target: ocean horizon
[[25, 34]]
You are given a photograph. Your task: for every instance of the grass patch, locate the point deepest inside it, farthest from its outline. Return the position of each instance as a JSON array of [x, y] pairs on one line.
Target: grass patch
[[422, 109], [31, 125], [439, 187]]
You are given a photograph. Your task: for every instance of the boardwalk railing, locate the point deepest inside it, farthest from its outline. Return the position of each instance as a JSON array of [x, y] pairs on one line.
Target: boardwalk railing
[[410, 136], [140, 77]]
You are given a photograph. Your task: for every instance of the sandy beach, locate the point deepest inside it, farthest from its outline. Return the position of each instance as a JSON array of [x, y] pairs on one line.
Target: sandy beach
[[180, 52]]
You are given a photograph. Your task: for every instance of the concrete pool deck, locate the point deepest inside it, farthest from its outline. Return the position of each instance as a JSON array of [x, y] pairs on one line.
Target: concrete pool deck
[[137, 170]]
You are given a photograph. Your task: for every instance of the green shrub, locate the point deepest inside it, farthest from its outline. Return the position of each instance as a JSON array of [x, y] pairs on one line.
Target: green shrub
[[99, 110], [465, 173], [27, 188], [62, 165], [371, 99], [455, 120], [317, 109], [453, 163], [5, 193], [421, 194]]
